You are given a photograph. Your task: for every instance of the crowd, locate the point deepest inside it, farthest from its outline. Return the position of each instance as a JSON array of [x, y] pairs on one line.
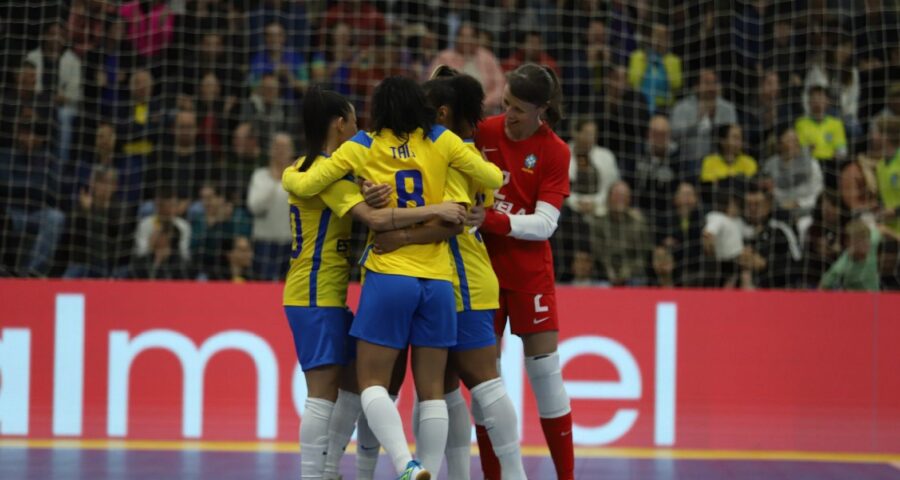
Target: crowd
[[747, 144]]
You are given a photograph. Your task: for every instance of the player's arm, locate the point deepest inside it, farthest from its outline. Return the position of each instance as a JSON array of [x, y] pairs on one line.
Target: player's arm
[[324, 172], [433, 231], [470, 162], [344, 197], [541, 224]]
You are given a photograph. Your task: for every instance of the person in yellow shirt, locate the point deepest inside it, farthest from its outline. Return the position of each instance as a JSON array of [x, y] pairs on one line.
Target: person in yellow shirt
[[729, 160], [655, 71], [824, 135], [316, 287], [407, 296]]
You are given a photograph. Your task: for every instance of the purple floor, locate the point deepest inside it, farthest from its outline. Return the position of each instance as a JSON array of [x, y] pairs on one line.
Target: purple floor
[[71, 464]]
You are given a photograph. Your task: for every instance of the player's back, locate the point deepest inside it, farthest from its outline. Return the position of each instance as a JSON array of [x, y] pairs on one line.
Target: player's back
[[416, 166]]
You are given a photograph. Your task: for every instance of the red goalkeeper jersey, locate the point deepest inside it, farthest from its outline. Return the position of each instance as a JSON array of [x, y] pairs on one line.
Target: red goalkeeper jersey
[[534, 169]]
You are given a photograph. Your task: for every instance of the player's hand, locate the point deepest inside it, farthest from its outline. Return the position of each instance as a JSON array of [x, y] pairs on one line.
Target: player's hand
[[475, 216], [387, 242], [377, 196], [451, 212]]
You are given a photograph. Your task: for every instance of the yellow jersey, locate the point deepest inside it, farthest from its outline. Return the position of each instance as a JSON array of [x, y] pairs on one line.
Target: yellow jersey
[[320, 265], [715, 167], [825, 138], [474, 280], [417, 168]]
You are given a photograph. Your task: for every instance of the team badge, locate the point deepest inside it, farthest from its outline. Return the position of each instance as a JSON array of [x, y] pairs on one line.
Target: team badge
[[530, 161]]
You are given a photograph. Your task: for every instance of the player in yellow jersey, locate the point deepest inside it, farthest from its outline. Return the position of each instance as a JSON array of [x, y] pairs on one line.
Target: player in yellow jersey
[[458, 100], [407, 296], [316, 287]]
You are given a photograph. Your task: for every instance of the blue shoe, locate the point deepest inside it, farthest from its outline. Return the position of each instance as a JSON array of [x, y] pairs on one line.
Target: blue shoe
[[414, 471]]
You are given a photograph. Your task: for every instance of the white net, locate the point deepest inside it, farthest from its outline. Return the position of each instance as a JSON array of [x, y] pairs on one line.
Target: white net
[[714, 143]]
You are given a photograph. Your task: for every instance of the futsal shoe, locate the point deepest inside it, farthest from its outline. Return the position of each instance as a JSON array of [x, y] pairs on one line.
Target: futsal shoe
[[414, 471]]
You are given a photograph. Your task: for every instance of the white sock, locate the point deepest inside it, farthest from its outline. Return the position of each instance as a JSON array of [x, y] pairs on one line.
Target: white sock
[[384, 420], [459, 436], [343, 421], [367, 448], [502, 425], [547, 384], [314, 437], [433, 425]]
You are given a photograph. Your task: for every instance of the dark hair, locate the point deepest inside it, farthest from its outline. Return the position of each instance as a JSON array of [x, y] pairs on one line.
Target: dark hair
[[582, 122], [399, 105], [320, 107], [444, 71], [722, 132], [462, 93], [538, 85]]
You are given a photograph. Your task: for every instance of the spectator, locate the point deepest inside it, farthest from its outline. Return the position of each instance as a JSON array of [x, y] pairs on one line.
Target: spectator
[[420, 48], [239, 260], [892, 108], [100, 228], [876, 30], [784, 54], [166, 208], [29, 172], [505, 20], [663, 268], [150, 25], [140, 120], [823, 134], [592, 171], [621, 240], [888, 172], [772, 253], [182, 163], [584, 73], [289, 13], [362, 16], [268, 203], [467, 56], [332, 65], [216, 114], [697, 117], [267, 112], [213, 56], [212, 227], [821, 239], [623, 30], [656, 71], [857, 267], [531, 50], [287, 65], [379, 60], [106, 74], [729, 161], [623, 115], [682, 236], [59, 73], [583, 271], [162, 261], [796, 176], [723, 239], [104, 153], [243, 158], [859, 182], [86, 25], [656, 173], [764, 116]]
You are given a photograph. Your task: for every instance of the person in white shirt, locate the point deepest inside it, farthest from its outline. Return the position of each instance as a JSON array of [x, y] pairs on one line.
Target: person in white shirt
[[166, 206], [268, 203], [723, 238], [592, 171]]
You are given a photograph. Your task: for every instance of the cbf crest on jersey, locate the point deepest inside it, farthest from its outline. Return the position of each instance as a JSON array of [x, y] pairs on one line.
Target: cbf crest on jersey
[[530, 162]]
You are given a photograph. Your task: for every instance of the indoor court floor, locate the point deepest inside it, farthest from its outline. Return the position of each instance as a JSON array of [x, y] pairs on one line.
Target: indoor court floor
[[61, 460]]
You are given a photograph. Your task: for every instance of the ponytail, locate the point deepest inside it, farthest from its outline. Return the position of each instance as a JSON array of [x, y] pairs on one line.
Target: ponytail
[[538, 85], [320, 107]]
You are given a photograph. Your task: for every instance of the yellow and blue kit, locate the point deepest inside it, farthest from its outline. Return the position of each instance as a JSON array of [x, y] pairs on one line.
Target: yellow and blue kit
[[315, 292], [407, 296]]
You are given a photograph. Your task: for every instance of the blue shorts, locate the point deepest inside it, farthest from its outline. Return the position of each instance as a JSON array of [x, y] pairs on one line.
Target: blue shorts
[[321, 335], [396, 311], [474, 329]]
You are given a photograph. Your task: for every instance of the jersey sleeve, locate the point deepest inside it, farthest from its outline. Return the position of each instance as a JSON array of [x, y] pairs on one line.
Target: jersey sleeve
[[554, 187], [469, 162], [341, 196], [325, 171], [457, 188]]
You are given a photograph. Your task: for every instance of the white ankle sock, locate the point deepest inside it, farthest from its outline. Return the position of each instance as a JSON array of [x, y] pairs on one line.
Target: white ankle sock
[[314, 437], [459, 437], [384, 420]]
